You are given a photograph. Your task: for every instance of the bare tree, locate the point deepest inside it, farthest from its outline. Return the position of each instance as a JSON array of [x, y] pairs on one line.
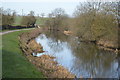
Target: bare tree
[[42, 15], [8, 17], [58, 12], [94, 20], [29, 19], [57, 19]]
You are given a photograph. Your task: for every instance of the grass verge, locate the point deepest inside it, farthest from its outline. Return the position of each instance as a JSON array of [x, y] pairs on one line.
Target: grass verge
[[14, 63]]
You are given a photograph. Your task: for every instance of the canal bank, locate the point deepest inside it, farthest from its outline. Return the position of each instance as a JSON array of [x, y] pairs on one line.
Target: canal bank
[[44, 63], [80, 58], [102, 43], [97, 60]]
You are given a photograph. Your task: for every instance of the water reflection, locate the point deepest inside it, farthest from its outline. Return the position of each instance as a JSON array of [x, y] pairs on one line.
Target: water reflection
[[82, 59]]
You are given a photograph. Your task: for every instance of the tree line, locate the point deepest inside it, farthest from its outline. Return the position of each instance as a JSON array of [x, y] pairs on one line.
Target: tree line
[[8, 18], [96, 20], [91, 21]]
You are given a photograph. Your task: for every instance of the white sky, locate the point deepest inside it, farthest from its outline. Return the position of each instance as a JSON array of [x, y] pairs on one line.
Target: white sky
[[43, 6], [55, 0], [42, 0], [40, 6]]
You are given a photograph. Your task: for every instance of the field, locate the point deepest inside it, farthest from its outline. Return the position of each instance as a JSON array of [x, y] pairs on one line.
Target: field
[[17, 20], [39, 20]]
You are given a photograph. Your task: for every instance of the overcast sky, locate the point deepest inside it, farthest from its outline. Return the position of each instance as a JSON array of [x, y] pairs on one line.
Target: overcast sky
[[41, 6]]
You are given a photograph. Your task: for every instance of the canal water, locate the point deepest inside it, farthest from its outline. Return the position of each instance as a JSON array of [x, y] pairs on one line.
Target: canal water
[[82, 59]]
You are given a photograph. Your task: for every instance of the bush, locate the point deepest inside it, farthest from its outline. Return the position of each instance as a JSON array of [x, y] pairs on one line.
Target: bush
[[8, 17], [29, 20]]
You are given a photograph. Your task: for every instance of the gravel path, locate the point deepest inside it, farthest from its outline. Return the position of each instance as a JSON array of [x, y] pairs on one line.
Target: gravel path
[[6, 32]]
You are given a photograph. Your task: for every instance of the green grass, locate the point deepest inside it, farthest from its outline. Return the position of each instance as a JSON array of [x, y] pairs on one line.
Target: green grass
[[17, 20], [14, 62], [39, 21]]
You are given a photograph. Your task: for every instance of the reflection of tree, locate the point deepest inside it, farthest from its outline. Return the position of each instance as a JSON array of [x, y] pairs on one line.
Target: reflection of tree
[[95, 62], [55, 40], [56, 46], [56, 35], [118, 57], [88, 59]]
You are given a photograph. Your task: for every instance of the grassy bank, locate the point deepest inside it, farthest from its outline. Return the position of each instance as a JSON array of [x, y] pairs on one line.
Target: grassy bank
[[14, 63]]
